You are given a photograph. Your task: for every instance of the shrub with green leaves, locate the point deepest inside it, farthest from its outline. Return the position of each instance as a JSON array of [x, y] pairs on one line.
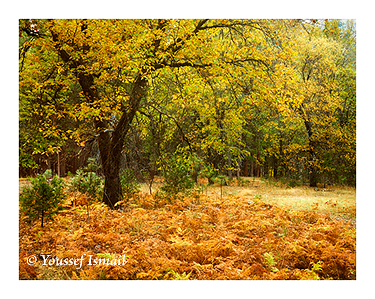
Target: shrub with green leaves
[[44, 199], [87, 182], [177, 178], [129, 183], [207, 171]]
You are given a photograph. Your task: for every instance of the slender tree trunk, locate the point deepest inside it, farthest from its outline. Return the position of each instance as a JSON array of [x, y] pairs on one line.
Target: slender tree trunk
[[275, 167], [229, 164], [246, 168], [238, 167], [62, 163], [313, 173], [58, 164]]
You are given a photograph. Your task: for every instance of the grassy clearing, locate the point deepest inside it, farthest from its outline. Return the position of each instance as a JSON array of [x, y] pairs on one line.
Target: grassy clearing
[[241, 235], [338, 201]]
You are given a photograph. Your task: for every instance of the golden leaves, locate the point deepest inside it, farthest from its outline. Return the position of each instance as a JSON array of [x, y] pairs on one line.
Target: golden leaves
[[227, 238]]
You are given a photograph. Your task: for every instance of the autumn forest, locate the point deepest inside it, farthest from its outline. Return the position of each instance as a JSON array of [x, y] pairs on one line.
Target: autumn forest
[[173, 148]]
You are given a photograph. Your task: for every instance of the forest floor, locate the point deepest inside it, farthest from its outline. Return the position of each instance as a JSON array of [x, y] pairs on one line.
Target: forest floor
[[258, 230]]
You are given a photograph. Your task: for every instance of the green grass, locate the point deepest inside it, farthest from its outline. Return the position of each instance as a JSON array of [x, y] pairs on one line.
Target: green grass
[[339, 201]]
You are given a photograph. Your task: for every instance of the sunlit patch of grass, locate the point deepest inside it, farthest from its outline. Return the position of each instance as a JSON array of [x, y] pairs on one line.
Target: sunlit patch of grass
[[337, 200]]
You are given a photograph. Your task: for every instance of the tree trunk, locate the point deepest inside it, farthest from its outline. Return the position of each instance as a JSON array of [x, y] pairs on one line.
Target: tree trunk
[[312, 168], [246, 168], [275, 167], [111, 153], [313, 172], [238, 167], [110, 147], [62, 163], [112, 188], [313, 177], [229, 164], [58, 165]]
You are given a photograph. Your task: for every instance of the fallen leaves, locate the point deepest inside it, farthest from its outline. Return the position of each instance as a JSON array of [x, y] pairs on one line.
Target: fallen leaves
[[228, 238]]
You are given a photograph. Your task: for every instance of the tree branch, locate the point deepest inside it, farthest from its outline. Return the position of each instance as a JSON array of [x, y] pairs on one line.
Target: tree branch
[[177, 45], [180, 64], [176, 122]]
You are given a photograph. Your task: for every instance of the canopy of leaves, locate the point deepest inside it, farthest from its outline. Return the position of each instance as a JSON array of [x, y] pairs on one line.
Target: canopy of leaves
[[278, 93]]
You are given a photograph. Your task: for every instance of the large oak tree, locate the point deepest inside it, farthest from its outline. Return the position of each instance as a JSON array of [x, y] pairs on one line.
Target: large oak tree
[[113, 60]]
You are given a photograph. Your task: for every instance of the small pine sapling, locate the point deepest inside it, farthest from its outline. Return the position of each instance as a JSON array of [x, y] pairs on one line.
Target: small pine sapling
[[86, 181], [44, 199]]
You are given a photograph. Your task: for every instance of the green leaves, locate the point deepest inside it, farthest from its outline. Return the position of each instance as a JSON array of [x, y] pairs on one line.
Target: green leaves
[[44, 199], [86, 181], [177, 177], [129, 183]]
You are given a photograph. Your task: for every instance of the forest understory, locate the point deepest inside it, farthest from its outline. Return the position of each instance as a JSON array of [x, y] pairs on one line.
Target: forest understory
[[261, 231]]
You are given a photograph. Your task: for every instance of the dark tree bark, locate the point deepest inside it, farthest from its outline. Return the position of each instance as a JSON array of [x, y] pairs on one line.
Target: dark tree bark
[[111, 153], [275, 165], [313, 172], [246, 168], [257, 166]]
